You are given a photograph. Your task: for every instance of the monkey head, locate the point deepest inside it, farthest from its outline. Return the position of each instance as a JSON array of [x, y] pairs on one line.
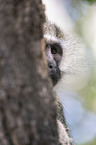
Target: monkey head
[[54, 53]]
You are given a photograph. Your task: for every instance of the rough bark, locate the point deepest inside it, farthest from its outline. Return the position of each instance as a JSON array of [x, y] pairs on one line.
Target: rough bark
[[27, 106]]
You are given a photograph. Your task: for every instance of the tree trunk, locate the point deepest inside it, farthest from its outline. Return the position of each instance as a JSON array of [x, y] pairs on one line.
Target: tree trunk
[[27, 106]]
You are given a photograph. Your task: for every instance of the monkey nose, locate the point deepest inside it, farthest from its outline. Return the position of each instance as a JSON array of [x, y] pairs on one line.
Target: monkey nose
[[51, 66]]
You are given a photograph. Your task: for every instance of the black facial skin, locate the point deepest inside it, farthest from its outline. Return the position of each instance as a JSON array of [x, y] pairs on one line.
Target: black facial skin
[[54, 54], [55, 75]]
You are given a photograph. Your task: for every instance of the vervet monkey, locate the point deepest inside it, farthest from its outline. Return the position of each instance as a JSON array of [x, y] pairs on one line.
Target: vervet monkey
[[54, 52]]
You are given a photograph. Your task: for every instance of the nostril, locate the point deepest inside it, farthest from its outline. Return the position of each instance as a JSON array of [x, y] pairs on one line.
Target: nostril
[[50, 66]]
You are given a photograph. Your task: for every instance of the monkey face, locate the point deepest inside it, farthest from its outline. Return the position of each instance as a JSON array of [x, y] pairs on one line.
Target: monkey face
[[54, 54]]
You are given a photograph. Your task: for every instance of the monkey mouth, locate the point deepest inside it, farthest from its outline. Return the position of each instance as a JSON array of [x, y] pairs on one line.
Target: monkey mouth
[[55, 78]]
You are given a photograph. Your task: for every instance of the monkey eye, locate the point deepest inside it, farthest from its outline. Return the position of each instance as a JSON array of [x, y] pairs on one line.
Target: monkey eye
[[53, 50]]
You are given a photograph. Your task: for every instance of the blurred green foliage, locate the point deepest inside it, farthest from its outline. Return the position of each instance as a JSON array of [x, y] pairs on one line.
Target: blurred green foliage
[[91, 1], [91, 143]]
